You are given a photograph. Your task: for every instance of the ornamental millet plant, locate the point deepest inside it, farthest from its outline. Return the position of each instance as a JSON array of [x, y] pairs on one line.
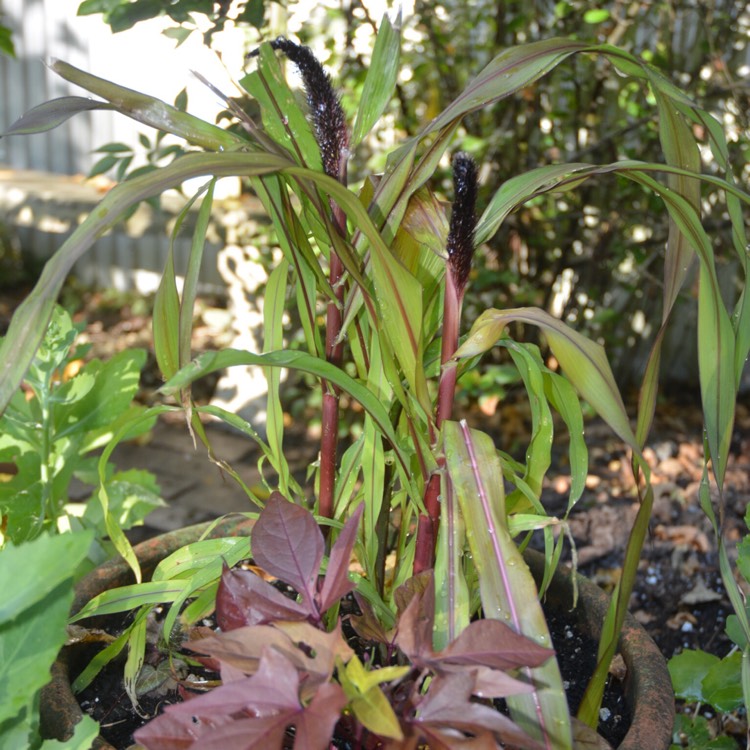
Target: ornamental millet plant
[[390, 270]]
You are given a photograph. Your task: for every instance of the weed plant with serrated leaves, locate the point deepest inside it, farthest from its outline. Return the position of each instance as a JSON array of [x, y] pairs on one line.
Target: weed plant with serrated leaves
[[378, 277]]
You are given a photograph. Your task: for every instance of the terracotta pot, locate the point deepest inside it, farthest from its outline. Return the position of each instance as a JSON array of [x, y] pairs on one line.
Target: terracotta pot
[[648, 686]]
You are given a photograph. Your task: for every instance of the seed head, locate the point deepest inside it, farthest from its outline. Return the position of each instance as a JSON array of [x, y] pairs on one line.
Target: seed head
[[460, 245], [326, 111]]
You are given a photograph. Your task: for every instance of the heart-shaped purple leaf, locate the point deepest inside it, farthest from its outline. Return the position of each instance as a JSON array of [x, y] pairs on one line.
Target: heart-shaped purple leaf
[[287, 543], [244, 598]]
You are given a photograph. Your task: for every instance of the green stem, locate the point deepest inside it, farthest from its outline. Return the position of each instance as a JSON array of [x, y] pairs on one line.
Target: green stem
[[45, 455]]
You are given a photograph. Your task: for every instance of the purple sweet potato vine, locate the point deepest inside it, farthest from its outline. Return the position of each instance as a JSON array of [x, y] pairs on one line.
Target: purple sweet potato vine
[[287, 680]]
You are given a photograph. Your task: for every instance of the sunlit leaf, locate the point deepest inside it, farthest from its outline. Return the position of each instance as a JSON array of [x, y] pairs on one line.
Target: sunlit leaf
[[367, 700], [149, 110]]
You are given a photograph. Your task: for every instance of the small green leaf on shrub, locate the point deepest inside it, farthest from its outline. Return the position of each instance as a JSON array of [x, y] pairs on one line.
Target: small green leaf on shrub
[[181, 100], [735, 630], [252, 13], [113, 148], [6, 42], [596, 15], [103, 165], [687, 671], [178, 33], [722, 686]]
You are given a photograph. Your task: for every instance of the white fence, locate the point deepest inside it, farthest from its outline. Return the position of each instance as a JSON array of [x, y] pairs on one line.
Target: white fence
[[142, 59]]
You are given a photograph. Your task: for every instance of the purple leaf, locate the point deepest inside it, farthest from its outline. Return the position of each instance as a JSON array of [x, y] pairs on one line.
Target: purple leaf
[[176, 732], [414, 630], [367, 625], [448, 704], [316, 723], [490, 683], [411, 587], [336, 583], [287, 543], [242, 648], [437, 740], [312, 651], [273, 688], [320, 649], [244, 598], [271, 695], [249, 734], [252, 713], [492, 643]]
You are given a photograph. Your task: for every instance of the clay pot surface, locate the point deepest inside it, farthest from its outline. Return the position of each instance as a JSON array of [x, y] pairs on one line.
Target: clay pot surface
[[648, 686]]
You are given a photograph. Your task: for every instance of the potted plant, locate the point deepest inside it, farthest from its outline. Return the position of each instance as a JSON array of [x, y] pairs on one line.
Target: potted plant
[[390, 267]]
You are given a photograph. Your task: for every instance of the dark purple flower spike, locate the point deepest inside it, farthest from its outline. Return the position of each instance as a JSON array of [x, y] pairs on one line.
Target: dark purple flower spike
[[463, 220], [326, 111]]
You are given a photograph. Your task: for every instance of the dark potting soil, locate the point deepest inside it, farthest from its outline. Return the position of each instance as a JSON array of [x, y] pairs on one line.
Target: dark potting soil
[[107, 702], [576, 655]]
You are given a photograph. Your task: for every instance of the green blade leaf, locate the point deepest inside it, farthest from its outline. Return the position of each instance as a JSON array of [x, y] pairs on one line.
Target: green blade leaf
[[151, 111], [381, 79], [295, 360], [53, 113], [716, 345], [125, 598], [398, 293], [282, 116], [30, 319], [507, 588], [166, 319], [512, 70], [273, 338], [373, 463], [517, 190], [192, 274]]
